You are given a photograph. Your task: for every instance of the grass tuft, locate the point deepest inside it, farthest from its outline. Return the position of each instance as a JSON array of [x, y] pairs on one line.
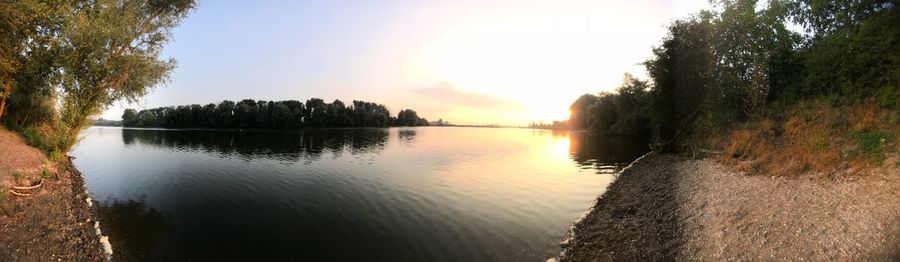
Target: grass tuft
[[870, 144], [46, 174], [17, 176]]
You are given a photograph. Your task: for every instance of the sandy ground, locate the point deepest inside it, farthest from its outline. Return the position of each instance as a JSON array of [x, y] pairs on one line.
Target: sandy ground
[[55, 223], [671, 208]]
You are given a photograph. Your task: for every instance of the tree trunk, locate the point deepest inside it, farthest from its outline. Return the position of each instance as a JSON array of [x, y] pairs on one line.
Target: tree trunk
[[2, 107]]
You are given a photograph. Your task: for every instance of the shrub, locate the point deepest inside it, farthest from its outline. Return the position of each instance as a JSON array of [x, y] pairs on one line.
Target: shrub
[[52, 140]]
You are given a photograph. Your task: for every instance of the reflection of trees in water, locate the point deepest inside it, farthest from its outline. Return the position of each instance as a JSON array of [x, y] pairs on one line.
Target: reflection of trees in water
[[588, 149], [309, 144], [407, 135], [135, 230]]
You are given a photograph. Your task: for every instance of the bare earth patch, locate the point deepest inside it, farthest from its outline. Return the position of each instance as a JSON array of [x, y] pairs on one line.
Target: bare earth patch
[[54, 223], [720, 214]]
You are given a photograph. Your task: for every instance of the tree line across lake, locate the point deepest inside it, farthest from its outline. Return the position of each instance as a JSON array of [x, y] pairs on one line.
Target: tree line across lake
[[289, 114]]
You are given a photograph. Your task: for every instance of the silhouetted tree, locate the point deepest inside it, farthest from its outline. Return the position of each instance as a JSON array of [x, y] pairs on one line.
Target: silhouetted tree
[[290, 114], [578, 118], [408, 117]]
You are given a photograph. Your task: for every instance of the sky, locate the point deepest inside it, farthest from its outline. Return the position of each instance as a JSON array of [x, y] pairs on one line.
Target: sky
[[466, 62]]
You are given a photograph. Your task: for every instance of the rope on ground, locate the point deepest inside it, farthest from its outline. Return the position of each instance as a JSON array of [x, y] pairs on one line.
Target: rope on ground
[[39, 184], [19, 194]]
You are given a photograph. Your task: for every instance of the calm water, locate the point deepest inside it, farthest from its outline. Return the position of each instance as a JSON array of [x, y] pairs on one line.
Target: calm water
[[399, 194]]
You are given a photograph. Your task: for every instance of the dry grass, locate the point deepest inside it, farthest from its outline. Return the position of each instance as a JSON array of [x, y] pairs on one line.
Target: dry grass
[[814, 137]]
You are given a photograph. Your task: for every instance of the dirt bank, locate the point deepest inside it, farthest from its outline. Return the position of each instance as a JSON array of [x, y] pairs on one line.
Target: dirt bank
[[671, 208], [54, 223]]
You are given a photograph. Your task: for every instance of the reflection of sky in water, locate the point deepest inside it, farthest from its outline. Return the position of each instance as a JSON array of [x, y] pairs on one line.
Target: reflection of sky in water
[[406, 193]]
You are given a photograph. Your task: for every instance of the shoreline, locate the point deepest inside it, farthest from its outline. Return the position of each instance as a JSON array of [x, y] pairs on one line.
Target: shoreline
[[668, 207], [626, 222], [54, 222], [78, 185]]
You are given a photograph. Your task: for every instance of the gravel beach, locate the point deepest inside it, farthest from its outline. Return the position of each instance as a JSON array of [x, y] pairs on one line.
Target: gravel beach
[[671, 208]]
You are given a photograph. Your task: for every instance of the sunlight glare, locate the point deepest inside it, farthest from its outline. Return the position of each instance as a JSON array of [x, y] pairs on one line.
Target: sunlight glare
[[561, 148]]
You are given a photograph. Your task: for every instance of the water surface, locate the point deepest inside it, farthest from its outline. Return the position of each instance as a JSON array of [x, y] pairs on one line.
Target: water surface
[[399, 194]]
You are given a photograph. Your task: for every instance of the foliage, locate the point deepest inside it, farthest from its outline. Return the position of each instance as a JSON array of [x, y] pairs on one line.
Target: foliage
[[857, 61], [46, 174], [624, 112], [739, 63], [64, 61], [871, 144], [555, 125], [408, 117], [290, 114], [580, 115], [46, 139], [27, 28], [109, 52]]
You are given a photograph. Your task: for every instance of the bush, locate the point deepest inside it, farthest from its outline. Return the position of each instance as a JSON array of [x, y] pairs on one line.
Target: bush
[[52, 141]]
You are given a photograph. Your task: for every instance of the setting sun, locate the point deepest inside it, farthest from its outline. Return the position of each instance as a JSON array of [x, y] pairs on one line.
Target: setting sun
[[540, 56]]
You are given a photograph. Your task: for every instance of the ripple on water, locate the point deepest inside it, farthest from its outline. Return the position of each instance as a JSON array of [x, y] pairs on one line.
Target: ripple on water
[[435, 194]]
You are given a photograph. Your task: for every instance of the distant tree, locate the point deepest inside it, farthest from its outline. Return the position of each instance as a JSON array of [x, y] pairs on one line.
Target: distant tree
[[297, 113], [209, 119], [290, 114], [578, 118], [245, 112], [281, 116], [225, 112], [315, 113], [129, 117], [196, 116], [408, 117], [262, 114]]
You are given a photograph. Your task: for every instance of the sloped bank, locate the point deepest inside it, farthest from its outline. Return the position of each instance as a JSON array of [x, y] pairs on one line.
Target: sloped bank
[[671, 208], [53, 222], [634, 220]]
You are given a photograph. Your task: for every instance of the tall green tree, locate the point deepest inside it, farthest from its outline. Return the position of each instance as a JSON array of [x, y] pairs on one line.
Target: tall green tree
[[27, 28], [682, 71], [108, 50], [749, 48], [853, 48]]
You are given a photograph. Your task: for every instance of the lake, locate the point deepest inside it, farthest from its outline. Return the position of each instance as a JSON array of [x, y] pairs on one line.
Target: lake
[[399, 194]]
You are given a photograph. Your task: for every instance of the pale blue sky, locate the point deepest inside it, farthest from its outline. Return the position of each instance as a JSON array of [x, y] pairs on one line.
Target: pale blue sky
[[505, 62]]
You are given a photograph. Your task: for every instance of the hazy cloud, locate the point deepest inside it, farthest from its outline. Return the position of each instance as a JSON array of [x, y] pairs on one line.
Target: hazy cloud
[[448, 96]]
